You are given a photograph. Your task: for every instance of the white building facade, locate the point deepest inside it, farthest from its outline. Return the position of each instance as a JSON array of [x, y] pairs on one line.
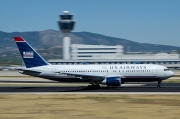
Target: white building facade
[[91, 52], [104, 52]]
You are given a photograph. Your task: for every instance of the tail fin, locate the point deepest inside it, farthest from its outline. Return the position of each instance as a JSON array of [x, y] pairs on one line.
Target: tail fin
[[30, 56]]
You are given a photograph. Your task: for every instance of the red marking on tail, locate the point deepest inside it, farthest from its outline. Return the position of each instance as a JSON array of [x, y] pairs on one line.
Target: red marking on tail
[[19, 39]]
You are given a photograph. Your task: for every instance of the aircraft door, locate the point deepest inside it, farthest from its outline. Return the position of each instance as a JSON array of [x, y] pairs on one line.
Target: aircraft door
[[54, 72], [154, 71], [160, 72]]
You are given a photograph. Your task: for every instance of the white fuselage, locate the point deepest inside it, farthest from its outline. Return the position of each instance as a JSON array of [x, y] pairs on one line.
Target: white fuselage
[[128, 72]]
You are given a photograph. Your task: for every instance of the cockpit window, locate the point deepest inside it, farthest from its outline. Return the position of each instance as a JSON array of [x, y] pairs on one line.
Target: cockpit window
[[166, 69]]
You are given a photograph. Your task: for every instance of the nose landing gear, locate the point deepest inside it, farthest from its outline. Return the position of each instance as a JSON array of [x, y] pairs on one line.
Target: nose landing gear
[[159, 84]]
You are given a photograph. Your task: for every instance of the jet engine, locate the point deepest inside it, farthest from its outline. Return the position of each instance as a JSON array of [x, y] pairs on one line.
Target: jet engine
[[112, 80]]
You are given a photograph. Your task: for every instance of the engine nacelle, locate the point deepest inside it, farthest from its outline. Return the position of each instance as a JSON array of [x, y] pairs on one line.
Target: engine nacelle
[[112, 80]]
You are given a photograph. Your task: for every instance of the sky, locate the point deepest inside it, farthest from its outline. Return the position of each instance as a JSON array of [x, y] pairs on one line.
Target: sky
[[144, 21]]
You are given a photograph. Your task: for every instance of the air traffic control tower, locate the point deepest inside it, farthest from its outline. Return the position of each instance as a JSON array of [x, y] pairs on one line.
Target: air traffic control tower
[[66, 25]]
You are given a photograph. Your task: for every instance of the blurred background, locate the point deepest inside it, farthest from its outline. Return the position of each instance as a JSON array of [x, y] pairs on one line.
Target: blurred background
[[108, 32]]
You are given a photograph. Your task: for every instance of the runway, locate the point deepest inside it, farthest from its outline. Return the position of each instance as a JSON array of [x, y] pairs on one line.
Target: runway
[[147, 87], [38, 85]]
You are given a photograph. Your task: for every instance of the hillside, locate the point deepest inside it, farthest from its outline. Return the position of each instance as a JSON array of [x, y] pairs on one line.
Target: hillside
[[51, 38], [49, 44]]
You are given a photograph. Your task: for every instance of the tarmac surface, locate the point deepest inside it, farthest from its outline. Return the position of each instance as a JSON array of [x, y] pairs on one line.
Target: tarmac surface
[[143, 87]]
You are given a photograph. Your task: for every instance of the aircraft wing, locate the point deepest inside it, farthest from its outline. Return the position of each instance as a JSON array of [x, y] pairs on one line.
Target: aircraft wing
[[85, 76]]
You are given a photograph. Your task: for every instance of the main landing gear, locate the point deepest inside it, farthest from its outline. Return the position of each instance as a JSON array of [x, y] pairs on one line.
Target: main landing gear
[[159, 84], [94, 85]]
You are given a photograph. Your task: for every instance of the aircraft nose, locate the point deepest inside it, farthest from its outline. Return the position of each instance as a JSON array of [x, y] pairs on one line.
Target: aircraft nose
[[171, 74]]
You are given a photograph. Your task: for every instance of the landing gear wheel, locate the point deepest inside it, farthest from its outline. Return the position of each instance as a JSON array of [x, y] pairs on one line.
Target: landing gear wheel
[[94, 86], [89, 86], [158, 86], [97, 86]]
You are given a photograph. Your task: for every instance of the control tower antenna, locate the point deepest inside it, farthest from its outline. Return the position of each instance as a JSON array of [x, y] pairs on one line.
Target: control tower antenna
[[66, 25]]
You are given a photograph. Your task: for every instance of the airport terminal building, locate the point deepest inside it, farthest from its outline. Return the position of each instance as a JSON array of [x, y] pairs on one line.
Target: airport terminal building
[[103, 54], [94, 52]]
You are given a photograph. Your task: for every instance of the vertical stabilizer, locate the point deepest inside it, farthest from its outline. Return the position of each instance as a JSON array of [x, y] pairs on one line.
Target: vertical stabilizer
[[30, 57]]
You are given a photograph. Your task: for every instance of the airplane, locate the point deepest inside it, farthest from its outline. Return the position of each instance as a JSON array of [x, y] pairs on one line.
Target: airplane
[[107, 74]]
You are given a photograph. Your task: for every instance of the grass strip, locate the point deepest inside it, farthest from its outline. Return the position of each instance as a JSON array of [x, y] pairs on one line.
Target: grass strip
[[99, 106]]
